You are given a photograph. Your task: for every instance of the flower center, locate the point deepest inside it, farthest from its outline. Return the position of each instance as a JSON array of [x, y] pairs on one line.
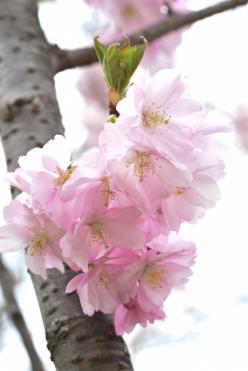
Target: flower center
[[98, 236], [180, 190], [103, 279], [106, 191], [64, 175], [37, 244], [142, 164], [154, 275], [155, 117]]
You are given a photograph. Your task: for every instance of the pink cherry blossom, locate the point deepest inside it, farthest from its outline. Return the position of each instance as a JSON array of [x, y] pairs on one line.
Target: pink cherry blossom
[[166, 265], [145, 176], [157, 273], [34, 233], [203, 135], [99, 289], [94, 187], [128, 315], [96, 232], [160, 113], [189, 203], [44, 173]]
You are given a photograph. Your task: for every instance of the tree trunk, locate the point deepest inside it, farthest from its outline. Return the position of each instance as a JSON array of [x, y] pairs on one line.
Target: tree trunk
[[12, 309], [29, 117]]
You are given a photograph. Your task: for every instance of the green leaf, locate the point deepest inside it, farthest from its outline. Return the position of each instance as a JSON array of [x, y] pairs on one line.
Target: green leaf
[[100, 50], [133, 56], [119, 63]]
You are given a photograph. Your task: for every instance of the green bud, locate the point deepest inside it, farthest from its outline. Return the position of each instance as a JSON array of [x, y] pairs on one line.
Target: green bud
[[119, 63]]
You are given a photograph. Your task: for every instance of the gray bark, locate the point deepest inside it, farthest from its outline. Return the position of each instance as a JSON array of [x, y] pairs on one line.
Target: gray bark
[[29, 117], [77, 342]]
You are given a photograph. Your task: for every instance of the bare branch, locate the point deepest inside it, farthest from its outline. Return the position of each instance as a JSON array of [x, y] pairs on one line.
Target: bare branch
[[64, 59], [14, 312]]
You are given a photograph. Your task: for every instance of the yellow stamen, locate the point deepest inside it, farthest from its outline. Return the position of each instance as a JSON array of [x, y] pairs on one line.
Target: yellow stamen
[[97, 234], [106, 191], [180, 190], [103, 279], [154, 275], [65, 175], [156, 116], [142, 164], [37, 244]]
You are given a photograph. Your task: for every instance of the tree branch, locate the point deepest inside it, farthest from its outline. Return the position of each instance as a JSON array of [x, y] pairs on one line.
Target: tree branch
[[14, 312], [64, 59], [29, 117]]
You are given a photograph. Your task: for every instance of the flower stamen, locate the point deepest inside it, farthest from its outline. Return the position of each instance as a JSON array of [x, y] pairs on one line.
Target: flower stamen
[[106, 191], [142, 164], [155, 117], [154, 275], [103, 279], [98, 235], [37, 244], [64, 175], [180, 190]]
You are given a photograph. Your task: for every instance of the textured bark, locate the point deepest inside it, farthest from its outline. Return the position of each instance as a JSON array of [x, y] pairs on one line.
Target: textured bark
[[14, 312], [64, 59], [77, 342], [28, 109], [29, 117]]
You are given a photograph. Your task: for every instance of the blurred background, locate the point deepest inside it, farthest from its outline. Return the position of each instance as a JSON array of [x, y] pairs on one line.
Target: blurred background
[[206, 328]]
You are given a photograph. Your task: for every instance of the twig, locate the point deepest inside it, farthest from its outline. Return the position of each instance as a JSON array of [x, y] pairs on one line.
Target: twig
[[14, 312], [64, 59]]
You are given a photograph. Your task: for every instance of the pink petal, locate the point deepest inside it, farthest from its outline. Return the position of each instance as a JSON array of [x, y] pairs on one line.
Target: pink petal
[[74, 283], [12, 238], [37, 265], [43, 187]]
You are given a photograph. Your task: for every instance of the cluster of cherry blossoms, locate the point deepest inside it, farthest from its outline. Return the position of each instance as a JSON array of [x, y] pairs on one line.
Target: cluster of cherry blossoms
[[113, 216]]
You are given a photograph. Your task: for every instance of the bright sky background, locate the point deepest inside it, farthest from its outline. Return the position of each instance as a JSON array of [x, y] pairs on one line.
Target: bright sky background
[[206, 327]]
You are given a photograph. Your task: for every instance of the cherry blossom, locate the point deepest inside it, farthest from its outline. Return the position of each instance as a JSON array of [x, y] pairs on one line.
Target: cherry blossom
[[128, 315], [160, 113], [34, 233], [98, 289], [154, 275], [96, 232], [44, 173]]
